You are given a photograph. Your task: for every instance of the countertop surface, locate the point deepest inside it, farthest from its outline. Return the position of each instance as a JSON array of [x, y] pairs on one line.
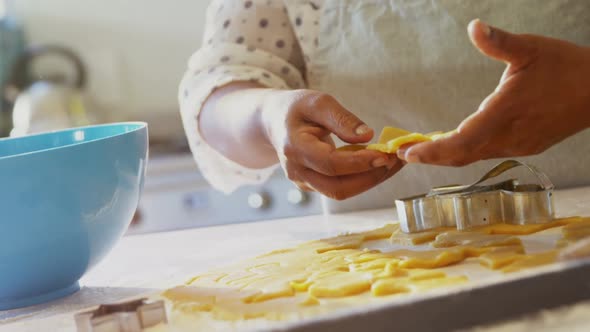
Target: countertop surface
[[144, 264]]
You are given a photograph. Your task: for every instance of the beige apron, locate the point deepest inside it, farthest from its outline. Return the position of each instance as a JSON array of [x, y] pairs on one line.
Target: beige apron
[[410, 64]]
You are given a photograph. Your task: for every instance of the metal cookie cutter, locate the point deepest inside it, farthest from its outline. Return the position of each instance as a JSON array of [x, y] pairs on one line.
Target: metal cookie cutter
[[132, 316], [466, 206]]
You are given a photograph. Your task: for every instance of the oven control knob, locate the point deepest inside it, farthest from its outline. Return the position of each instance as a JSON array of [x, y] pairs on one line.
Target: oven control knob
[[296, 196], [258, 200]]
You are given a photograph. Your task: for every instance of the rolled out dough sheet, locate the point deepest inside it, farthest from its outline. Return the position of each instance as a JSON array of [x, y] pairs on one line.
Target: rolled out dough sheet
[[327, 276]]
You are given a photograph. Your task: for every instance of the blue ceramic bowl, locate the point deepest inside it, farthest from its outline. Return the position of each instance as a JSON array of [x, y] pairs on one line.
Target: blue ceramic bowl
[[66, 197]]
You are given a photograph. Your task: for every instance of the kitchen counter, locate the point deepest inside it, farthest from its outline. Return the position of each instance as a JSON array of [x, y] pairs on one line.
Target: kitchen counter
[[144, 264]]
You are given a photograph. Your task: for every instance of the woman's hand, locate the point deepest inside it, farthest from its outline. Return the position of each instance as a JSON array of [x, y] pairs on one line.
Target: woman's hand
[[298, 124], [543, 97]]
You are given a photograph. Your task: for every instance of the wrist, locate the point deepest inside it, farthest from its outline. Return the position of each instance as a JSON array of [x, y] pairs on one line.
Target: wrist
[[273, 115]]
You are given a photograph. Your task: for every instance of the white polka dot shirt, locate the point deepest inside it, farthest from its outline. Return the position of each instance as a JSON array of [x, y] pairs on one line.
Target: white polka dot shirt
[[262, 41]]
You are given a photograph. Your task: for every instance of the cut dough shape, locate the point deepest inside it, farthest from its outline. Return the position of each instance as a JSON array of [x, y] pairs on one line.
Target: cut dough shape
[[212, 278], [393, 145], [389, 286], [576, 231], [509, 229], [366, 256], [429, 259], [207, 295], [428, 284], [425, 274], [497, 258], [391, 139], [378, 147], [399, 237], [473, 239], [265, 268], [532, 260], [237, 276], [341, 284], [350, 241], [337, 263], [376, 264], [269, 289], [391, 133], [396, 143], [420, 282], [309, 300], [381, 233]]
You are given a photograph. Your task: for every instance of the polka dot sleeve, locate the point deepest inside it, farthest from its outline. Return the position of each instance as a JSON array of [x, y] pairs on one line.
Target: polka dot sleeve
[[244, 41]]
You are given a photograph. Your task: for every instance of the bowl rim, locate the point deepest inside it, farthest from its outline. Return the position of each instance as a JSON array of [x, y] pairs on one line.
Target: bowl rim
[[140, 126]]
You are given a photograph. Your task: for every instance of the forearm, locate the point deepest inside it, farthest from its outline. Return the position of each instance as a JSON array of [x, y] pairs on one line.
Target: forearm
[[230, 121]]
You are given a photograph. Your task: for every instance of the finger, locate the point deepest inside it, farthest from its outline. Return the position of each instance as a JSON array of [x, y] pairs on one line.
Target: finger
[[480, 136], [457, 150], [326, 111], [342, 187], [328, 139], [302, 186], [462, 148], [323, 158], [517, 50], [401, 152]]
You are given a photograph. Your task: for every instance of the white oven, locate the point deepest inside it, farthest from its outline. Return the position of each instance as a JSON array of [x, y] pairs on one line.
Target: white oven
[[176, 196]]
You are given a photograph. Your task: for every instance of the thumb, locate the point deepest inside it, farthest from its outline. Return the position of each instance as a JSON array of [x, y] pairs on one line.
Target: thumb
[[328, 113], [514, 49]]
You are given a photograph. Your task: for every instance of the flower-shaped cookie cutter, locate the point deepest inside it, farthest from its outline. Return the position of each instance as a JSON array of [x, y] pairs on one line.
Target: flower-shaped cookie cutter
[[467, 206]]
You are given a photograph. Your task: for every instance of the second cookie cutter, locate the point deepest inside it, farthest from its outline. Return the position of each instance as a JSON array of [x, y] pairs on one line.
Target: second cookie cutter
[[130, 316], [467, 206]]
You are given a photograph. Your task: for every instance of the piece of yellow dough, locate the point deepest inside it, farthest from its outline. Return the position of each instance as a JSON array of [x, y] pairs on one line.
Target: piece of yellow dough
[[352, 147], [399, 237], [339, 284], [391, 139], [499, 257], [532, 260], [387, 134], [393, 145], [389, 286], [473, 239], [573, 232], [309, 301], [429, 259], [352, 241], [391, 133], [381, 233], [509, 229], [269, 289], [428, 284], [576, 231]]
